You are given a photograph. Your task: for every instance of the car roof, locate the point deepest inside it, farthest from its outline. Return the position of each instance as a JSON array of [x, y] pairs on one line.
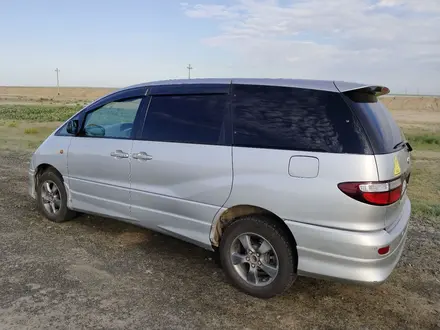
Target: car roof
[[324, 85]]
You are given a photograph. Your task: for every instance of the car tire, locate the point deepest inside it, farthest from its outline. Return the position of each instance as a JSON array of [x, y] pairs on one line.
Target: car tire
[[249, 272], [52, 197]]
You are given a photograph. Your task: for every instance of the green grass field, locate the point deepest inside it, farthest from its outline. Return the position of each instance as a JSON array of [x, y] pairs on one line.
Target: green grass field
[[38, 113]]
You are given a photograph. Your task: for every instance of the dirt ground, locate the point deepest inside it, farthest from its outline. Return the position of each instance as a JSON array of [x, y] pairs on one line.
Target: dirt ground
[[104, 274]]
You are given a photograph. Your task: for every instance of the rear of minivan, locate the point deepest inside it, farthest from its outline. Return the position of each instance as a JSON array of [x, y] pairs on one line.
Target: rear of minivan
[[391, 151], [387, 196], [393, 161], [334, 166]]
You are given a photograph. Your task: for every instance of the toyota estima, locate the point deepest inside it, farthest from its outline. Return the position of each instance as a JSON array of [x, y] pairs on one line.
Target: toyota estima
[[280, 177]]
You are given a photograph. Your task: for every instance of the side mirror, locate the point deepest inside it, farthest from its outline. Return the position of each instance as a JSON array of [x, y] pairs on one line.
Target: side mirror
[[72, 127]]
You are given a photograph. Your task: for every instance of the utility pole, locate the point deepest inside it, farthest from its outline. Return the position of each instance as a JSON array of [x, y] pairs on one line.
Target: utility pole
[[58, 80], [189, 67]]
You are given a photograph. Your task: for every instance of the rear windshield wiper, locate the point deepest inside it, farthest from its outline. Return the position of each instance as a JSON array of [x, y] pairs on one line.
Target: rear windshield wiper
[[406, 143]]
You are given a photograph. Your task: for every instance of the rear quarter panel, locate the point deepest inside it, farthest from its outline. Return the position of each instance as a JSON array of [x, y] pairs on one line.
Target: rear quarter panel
[[261, 178]]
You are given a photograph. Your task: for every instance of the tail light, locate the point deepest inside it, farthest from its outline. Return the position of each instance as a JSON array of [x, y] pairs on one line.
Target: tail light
[[374, 193]]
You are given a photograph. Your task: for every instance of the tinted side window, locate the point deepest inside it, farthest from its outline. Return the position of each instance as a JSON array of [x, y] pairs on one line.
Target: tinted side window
[[112, 120], [295, 119], [186, 119]]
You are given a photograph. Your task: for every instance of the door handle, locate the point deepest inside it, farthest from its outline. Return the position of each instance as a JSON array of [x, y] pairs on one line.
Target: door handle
[[142, 156], [119, 154]]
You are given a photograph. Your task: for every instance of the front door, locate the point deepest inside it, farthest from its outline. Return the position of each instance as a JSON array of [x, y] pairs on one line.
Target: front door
[[99, 159]]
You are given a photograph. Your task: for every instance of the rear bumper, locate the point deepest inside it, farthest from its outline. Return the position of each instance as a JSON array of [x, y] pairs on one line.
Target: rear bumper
[[347, 255]]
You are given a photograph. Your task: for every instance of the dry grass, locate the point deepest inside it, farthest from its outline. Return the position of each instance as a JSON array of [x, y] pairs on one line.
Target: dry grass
[[422, 129], [31, 130], [25, 135], [424, 104], [424, 188], [49, 94]]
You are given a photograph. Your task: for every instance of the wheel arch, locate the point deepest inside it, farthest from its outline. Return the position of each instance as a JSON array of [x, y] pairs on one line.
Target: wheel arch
[[233, 213], [68, 212], [43, 167]]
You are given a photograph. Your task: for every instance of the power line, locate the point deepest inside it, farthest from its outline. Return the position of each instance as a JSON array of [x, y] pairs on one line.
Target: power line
[[189, 67], [58, 80]]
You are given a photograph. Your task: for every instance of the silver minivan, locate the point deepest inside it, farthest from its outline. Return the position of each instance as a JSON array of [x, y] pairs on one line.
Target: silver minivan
[[280, 177]]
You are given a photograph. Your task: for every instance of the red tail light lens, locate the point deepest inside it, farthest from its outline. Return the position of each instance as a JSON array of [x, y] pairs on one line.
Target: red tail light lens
[[384, 250], [384, 198], [375, 193]]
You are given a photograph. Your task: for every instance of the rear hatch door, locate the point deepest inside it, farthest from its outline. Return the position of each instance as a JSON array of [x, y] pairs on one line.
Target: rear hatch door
[[391, 149]]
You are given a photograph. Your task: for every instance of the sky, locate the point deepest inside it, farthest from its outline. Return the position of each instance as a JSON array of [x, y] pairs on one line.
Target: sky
[[395, 43]]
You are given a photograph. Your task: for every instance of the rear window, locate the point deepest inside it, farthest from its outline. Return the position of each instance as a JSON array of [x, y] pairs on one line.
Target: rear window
[[381, 128], [288, 118]]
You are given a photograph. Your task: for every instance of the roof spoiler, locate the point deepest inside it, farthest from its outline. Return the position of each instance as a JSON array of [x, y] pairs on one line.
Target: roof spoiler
[[344, 87]]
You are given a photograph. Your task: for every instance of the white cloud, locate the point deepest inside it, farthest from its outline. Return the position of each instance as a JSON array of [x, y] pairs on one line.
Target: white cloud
[[211, 11], [389, 3], [393, 40], [414, 5]]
